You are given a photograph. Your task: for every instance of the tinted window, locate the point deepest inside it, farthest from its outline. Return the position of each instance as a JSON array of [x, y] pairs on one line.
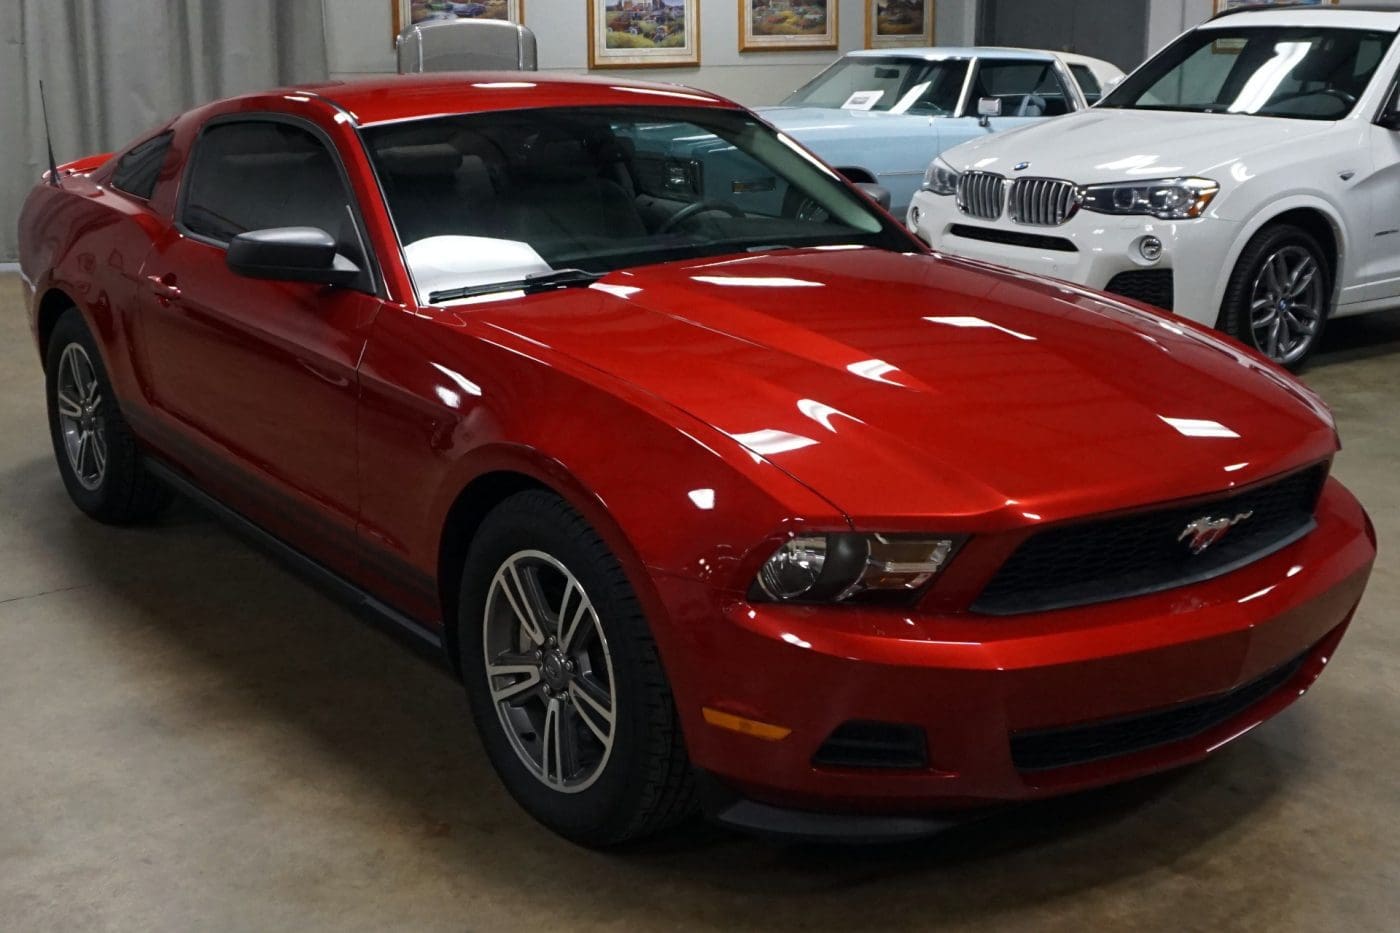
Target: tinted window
[[257, 175], [1087, 82], [138, 170], [1025, 89], [1301, 73], [896, 85]]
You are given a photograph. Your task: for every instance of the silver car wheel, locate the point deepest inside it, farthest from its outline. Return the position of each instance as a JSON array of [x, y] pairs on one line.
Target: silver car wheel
[[1287, 304], [549, 671], [81, 418]]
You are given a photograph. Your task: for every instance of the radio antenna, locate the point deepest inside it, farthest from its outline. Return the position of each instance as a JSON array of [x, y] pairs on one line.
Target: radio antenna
[[48, 138]]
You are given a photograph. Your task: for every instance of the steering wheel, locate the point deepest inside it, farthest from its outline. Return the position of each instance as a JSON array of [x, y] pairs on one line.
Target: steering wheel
[[699, 207]]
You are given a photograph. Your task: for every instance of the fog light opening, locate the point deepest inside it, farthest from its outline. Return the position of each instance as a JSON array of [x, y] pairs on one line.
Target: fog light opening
[[1150, 248]]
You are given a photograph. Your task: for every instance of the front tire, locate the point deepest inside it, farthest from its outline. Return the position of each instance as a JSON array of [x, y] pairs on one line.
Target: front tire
[[97, 454], [1279, 295], [565, 683]]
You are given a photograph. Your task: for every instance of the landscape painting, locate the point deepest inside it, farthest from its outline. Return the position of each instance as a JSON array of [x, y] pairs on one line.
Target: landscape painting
[[407, 12], [643, 33], [893, 24], [778, 25]]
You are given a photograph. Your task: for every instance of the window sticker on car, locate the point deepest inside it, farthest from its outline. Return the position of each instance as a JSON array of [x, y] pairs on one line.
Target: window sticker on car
[[863, 100]]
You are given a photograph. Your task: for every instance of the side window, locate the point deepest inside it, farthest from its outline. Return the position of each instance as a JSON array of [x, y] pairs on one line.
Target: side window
[[138, 170], [259, 174], [1089, 84], [1025, 88]]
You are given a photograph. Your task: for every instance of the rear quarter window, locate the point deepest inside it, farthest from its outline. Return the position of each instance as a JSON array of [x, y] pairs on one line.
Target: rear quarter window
[[1087, 82], [138, 170]]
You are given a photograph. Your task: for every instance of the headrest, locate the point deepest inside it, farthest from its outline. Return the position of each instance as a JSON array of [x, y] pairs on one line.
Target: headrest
[[433, 160], [557, 160]]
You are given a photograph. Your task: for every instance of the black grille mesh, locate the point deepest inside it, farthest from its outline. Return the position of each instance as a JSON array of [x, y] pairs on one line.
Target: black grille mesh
[[859, 744], [1060, 748], [1150, 286], [1142, 553]]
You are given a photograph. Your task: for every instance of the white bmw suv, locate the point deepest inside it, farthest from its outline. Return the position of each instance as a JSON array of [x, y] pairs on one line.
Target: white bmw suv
[[1247, 177]]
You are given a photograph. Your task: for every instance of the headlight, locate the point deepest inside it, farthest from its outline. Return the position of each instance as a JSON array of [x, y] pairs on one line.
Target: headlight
[[1165, 198], [940, 178], [852, 568]]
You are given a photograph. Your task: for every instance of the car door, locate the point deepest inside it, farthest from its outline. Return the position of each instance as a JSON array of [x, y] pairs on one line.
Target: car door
[[1029, 90], [253, 382]]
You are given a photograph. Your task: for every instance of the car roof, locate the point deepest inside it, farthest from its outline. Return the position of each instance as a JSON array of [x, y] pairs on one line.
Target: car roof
[[1345, 17], [394, 98], [933, 53]]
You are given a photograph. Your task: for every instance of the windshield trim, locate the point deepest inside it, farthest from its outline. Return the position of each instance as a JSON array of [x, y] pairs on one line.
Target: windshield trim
[[970, 61]]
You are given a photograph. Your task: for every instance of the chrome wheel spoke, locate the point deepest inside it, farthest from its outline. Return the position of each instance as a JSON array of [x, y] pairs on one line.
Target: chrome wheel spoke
[[571, 616], [559, 746], [69, 406], [522, 672], [523, 603], [594, 708], [99, 452]]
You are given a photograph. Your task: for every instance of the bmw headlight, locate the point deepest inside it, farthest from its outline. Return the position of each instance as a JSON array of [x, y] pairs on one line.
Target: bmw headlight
[[852, 568], [940, 178], [1165, 198]]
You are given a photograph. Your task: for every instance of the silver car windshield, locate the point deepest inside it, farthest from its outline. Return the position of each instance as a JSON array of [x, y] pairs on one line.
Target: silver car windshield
[[514, 199], [1303, 73], [886, 85]]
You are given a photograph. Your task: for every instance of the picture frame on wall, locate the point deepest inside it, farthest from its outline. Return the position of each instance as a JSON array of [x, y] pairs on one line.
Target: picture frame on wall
[[408, 12], [643, 33], [895, 24], [787, 25]]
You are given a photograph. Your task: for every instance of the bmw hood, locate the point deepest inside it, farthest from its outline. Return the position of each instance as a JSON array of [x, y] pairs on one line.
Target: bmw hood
[[1105, 145], [903, 386]]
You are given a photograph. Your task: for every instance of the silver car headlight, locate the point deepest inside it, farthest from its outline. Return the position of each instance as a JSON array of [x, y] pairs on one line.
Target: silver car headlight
[[940, 178], [1164, 198], [843, 568]]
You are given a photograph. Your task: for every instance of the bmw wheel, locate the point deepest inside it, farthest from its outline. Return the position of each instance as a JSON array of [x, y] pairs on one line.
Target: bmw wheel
[[96, 452], [566, 687], [1279, 295]]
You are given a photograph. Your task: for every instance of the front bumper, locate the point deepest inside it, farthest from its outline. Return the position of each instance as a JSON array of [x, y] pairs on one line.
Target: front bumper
[[972, 682], [1095, 249]]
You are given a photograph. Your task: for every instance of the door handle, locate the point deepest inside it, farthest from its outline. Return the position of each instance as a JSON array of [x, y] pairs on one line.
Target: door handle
[[164, 286]]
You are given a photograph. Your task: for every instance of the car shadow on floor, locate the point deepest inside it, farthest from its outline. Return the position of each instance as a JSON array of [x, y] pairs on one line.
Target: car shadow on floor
[[1362, 337]]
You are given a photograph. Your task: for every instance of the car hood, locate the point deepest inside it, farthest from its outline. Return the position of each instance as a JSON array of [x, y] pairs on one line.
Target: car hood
[[821, 122], [903, 387], [1103, 145]]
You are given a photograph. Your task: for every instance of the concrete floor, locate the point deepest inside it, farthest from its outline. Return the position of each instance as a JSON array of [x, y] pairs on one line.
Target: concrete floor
[[191, 738]]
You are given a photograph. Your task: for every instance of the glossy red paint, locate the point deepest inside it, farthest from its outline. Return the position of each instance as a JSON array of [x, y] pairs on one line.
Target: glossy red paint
[[698, 413]]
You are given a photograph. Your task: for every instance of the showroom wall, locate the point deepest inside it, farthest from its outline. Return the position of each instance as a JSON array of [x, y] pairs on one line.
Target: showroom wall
[[358, 38]]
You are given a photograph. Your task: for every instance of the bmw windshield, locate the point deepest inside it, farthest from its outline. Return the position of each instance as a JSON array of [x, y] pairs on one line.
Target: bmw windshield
[[1303, 73], [517, 197]]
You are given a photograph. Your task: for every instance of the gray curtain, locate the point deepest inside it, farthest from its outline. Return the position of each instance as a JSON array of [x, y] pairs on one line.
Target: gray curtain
[[114, 68]]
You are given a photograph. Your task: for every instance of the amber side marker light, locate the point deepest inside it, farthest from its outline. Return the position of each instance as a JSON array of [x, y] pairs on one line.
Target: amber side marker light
[[759, 730]]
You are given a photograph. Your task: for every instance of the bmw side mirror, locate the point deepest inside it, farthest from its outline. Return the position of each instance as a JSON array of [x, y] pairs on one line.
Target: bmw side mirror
[[291, 254], [988, 107], [877, 193], [1390, 116]]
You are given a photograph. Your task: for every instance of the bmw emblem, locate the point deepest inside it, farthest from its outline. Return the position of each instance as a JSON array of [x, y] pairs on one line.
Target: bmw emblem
[[1021, 167]]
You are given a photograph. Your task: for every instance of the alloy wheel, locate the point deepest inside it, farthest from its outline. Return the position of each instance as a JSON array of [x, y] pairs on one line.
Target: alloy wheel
[[81, 418], [1287, 304], [549, 671]]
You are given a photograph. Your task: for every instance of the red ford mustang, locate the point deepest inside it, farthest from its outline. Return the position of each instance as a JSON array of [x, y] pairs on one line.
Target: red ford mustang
[[712, 484]]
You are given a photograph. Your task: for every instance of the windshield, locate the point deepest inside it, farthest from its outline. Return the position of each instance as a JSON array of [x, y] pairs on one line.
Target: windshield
[[503, 197], [1304, 73], [891, 85]]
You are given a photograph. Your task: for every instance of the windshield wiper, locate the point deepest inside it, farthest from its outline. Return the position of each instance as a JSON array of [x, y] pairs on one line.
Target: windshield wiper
[[545, 281]]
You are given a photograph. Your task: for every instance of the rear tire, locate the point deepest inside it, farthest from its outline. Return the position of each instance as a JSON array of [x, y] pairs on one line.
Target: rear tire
[[99, 461], [576, 713], [1280, 295]]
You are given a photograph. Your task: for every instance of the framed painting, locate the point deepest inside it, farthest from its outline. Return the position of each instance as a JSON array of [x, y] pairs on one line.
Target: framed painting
[[643, 33], [893, 24], [408, 12], [783, 25]]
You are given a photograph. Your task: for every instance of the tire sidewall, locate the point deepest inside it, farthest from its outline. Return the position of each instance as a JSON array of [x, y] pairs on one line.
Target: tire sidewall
[[600, 812]]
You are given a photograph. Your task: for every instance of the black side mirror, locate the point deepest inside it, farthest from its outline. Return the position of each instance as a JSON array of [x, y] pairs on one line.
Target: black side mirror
[[877, 193], [291, 254], [1389, 118]]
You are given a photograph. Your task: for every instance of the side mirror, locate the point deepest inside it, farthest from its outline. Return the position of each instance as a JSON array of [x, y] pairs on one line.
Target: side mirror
[[291, 254], [877, 193], [988, 107], [1390, 116]]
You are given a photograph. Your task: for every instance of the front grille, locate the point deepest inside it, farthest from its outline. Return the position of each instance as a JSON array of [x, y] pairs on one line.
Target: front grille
[[1113, 558], [859, 744], [1060, 748], [982, 194], [1043, 202], [1154, 287], [1014, 238]]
